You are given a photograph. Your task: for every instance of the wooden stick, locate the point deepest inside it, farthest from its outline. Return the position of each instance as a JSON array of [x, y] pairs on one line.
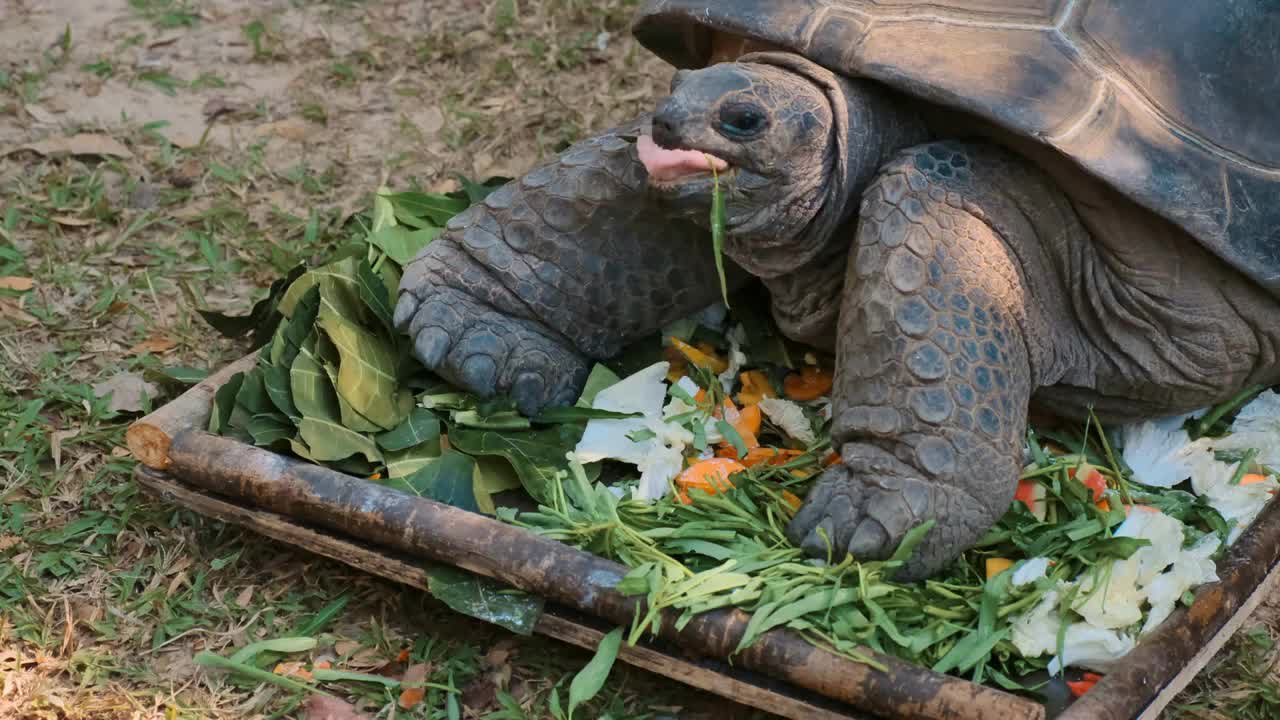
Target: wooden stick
[[568, 576], [1134, 684], [149, 438], [554, 622]]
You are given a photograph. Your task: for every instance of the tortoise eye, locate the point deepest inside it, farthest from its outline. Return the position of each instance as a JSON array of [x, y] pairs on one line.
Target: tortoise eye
[[739, 121]]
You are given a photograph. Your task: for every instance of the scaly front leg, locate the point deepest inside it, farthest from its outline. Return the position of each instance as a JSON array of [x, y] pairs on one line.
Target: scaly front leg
[[942, 335], [564, 265]]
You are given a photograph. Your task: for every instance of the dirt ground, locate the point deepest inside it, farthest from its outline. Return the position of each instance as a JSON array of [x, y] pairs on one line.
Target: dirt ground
[[159, 156]]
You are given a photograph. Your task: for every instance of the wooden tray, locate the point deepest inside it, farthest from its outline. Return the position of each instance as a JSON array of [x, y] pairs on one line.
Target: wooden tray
[[392, 534]]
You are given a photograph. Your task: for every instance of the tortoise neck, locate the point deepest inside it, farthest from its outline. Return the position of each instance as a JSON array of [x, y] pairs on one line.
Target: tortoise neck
[[881, 123]]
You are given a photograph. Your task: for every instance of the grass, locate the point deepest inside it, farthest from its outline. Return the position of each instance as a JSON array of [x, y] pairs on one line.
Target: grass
[[107, 595]]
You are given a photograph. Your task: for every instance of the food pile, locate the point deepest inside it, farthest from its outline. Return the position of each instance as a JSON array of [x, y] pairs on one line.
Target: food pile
[[686, 456]]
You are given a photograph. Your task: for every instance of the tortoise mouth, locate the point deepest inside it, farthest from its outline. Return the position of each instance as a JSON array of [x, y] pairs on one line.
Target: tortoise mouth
[[673, 167]]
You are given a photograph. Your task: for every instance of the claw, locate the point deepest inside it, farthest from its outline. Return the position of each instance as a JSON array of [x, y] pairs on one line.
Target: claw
[[431, 345], [406, 307], [529, 392]]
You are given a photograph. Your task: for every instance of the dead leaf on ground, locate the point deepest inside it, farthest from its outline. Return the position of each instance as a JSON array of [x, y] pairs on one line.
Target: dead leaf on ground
[[13, 311], [55, 445], [81, 144], [9, 541], [415, 676], [71, 221], [156, 345], [40, 114], [220, 105], [480, 693], [129, 392], [245, 597], [324, 707], [345, 647], [21, 284]]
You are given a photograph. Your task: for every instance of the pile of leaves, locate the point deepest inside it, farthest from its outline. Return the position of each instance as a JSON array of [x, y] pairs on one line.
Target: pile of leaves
[[336, 384]]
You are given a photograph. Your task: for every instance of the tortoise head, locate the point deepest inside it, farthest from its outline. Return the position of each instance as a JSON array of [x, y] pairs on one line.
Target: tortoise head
[[770, 133]]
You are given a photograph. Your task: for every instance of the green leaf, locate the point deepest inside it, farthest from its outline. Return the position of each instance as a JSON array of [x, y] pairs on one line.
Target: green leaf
[[402, 463], [375, 295], [591, 678], [578, 414], [911, 541], [402, 244], [492, 476], [208, 659], [299, 327], [329, 441], [313, 394], [268, 429], [448, 479], [731, 434], [367, 374], [279, 645], [717, 231], [484, 599], [439, 209], [252, 396], [224, 402], [185, 375], [601, 378], [537, 455], [276, 379], [421, 426], [477, 192]]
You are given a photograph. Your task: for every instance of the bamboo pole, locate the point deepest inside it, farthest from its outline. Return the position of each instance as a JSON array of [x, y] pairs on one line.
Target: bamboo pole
[[149, 438], [571, 577], [554, 622]]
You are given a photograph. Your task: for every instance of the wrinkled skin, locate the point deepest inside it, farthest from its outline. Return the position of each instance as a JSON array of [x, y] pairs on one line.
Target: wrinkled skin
[[954, 279]]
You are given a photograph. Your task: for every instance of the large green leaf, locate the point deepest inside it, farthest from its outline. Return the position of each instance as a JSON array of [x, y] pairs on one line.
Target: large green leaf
[[484, 599], [402, 244], [275, 378], [299, 327], [252, 396], [329, 440], [313, 394], [375, 295], [447, 478], [329, 358], [537, 455], [493, 474], [421, 426], [402, 463], [367, 375], [269, 428], [600, 378], [439, 209], [224, 401]]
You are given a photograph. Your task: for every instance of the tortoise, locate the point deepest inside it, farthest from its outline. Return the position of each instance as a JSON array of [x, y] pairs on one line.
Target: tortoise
[[975, 204]]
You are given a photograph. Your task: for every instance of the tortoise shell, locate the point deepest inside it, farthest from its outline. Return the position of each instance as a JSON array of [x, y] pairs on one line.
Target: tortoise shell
[[1174, 104]]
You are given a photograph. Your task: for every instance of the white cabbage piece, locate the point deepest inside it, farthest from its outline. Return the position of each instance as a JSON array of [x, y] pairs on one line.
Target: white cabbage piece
[[736, 336], [1258, 426], [1194, 567], [1151, 450], [789, 417], [1030, 571], [661, 457], [1238, 504], [1035, 631], [1112, 596], [1091, 648]]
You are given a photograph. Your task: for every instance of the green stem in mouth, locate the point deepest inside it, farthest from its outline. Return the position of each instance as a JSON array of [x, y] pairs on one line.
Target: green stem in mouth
[[717, 228]]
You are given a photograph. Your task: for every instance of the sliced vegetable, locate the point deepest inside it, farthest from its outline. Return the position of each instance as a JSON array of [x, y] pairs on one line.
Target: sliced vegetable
[[997, 565], [710, 476], [1032, 494], [755, 387], [792, 499], [1083, 685], [1251, 478], [706, 361], [1091, 478], [810, 383]]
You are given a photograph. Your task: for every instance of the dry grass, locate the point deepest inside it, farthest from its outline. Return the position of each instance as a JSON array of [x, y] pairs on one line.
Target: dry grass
[[254, 128]]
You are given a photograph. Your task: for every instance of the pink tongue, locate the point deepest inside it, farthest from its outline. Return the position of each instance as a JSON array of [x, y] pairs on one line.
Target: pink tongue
[[664, 164]]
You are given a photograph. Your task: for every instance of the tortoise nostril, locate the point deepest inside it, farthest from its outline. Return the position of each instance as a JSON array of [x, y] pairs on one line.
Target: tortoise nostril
[[665, 124]]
